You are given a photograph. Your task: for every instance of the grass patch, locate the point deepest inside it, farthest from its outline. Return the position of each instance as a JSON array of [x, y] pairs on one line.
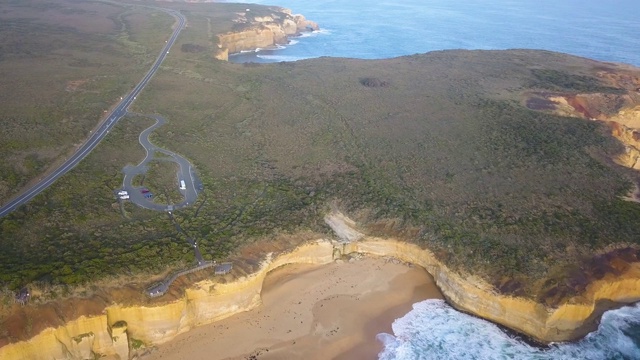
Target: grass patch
[[556, 80], [162, 181], [137, 344], [78, 227], [64, 63], [439, 145]]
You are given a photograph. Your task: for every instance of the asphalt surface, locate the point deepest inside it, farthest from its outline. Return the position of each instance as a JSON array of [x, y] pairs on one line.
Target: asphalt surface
[[185, 173], [111, 120]]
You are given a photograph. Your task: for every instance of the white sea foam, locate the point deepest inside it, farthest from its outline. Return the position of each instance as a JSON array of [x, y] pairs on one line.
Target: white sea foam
[[247, 51], [434, 330], [278, 58], [315, 33]]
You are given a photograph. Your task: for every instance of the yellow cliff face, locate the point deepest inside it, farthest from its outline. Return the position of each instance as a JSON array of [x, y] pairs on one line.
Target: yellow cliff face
[[75, 340], [207, 301], [252, 39], [120, 340], [625, 127], [203, 303], [566, 322], [262, 32]]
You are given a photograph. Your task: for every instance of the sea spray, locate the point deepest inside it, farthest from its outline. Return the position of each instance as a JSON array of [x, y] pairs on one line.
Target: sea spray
[[434, 330]]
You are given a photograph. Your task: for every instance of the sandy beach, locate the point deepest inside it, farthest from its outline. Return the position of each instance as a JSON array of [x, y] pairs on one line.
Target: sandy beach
[[312, 312]]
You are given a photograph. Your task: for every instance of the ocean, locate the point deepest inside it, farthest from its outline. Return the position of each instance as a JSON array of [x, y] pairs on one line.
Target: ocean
[[607, 30], [434, 330]]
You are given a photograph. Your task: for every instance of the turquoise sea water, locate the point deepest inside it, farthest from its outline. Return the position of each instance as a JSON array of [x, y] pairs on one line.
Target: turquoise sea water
[[607, 30]]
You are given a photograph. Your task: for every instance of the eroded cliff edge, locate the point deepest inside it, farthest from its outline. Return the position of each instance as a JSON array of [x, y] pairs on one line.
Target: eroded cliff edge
[[251, 32], [121, 330], [620, 110]]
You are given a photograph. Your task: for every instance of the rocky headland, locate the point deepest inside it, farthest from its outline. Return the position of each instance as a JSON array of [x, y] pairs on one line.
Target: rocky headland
[[265, 31], [473, 249]]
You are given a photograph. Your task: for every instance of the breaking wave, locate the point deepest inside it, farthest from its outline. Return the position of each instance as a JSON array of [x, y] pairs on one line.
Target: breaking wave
[[278, 58], [434, 330]]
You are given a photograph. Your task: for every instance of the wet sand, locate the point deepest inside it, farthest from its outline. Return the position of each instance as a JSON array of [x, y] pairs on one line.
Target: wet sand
[[330, 311]]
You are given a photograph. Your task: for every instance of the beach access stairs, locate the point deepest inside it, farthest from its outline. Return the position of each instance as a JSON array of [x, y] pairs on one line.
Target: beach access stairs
[[160, 288]]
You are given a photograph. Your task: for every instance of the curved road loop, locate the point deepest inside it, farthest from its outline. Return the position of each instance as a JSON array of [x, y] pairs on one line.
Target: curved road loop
[[112, 118], [185, 173]]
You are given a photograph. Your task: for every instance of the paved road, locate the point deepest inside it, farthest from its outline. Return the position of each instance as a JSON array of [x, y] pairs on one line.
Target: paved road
[[185, 173], [112, 118]]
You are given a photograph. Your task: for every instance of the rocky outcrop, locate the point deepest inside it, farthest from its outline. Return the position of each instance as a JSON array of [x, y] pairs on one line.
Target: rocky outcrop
[[630, 137], [114, 333], [255, 32]]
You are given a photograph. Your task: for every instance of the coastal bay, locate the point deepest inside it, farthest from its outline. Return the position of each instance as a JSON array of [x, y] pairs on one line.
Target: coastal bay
[[328, 311], [432, 156]]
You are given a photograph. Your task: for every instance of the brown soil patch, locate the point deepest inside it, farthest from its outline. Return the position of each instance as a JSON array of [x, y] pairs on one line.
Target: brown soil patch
[[75, 85], [620, 78], [581, 107]]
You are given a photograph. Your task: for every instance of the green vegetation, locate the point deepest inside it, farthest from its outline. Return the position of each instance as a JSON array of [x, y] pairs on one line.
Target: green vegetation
[[436, 143], [119, 324], [63, 63], [137, 344], [78, 339], [492, 187], [562, 81], [75, 231], [161, 179]]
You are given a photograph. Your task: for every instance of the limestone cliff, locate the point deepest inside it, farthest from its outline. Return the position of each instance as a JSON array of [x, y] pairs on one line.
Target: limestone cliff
[[253, 32], [115, 333], [568, 321]]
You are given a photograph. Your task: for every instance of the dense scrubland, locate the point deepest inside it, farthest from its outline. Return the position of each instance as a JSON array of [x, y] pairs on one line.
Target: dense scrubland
[[434, 148], [62, 64], [438, 143]]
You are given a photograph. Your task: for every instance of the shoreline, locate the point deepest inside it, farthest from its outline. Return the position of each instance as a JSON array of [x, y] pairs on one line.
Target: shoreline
[[133, 330], [336, 309]]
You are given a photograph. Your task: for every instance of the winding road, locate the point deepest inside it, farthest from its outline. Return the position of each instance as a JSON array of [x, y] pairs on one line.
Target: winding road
[[185, 173], [112, 118]]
